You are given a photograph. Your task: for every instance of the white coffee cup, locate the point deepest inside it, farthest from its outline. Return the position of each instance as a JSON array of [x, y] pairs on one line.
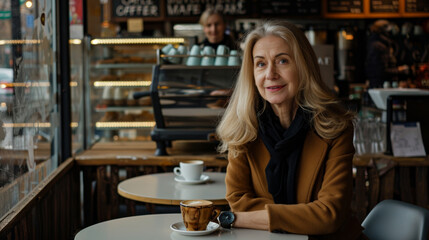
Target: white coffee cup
[[190, 170]]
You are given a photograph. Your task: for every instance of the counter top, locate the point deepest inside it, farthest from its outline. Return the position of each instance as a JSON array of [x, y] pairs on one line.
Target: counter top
[[143, 153], [364, 160]]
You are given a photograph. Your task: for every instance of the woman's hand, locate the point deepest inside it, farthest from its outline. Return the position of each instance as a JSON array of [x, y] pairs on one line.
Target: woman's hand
[[254, 220]]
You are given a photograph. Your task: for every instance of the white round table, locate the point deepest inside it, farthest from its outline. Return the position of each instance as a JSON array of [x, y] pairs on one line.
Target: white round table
[[157, 226], [161, 188]]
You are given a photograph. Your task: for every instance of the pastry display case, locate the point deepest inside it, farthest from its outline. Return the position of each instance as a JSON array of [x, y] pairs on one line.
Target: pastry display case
[[188, 101], [117, 69]]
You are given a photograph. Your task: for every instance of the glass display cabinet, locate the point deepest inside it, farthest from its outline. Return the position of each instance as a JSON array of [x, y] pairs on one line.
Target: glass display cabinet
[[119, 68]]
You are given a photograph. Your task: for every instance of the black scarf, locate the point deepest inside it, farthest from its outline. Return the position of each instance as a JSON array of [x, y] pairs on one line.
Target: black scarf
[[285, 148]]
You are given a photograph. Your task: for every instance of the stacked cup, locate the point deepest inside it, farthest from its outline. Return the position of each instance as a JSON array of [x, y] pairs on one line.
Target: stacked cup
[[208, 56], [221, 58], [182, 51], [171, 57], [172, 53], [166, 49], [194, 58], [234, 59]]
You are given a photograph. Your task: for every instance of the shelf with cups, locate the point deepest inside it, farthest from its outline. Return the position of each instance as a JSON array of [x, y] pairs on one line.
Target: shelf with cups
[[192, 61], [178, 67], [197, 56]]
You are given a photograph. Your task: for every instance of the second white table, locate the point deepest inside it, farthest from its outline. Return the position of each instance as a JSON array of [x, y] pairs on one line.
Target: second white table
[[161, 188]]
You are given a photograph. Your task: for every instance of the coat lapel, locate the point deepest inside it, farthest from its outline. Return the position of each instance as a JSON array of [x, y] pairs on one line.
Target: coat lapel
[[310, 165]]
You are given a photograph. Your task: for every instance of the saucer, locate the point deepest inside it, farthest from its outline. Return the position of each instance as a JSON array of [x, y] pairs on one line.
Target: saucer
[[180, 228], [203, 178]]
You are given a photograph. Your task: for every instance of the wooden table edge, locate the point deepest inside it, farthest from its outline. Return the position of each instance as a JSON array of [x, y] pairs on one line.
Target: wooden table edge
[[144, 162], [164, 201]]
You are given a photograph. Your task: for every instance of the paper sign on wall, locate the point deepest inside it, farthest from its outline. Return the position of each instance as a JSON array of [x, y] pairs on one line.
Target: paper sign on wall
[[135, 25], [407, 140]]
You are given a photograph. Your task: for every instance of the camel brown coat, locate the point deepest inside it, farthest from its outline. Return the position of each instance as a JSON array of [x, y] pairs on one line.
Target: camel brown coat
[[324, 188]]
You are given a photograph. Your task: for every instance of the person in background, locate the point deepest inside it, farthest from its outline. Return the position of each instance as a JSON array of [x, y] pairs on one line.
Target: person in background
[[381, 65], [289, 141], [214, 27]]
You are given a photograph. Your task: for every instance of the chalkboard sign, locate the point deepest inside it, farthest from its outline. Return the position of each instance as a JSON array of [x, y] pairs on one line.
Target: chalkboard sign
[[384, 6], [290, 7], [345, 6], [136, 8], [182, 8], [414, 6]]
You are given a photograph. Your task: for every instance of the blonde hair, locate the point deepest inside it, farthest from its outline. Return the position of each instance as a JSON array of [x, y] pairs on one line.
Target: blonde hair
[[209, 12], [239, 124]]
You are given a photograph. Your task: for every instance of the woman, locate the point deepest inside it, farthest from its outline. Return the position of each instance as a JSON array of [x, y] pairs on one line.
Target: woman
[[289, 142], [214, 27]]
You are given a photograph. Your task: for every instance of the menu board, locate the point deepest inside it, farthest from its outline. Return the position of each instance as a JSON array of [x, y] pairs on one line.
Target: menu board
[[181, 8], [384, 6], [414, 6], [345, 6], [136, 8], [291, 7]]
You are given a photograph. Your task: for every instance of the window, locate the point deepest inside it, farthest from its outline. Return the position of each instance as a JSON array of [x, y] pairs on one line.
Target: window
[[29, 117]]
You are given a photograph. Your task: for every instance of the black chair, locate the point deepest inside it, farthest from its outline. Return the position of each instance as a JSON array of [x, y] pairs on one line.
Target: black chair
[[396, 220]]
